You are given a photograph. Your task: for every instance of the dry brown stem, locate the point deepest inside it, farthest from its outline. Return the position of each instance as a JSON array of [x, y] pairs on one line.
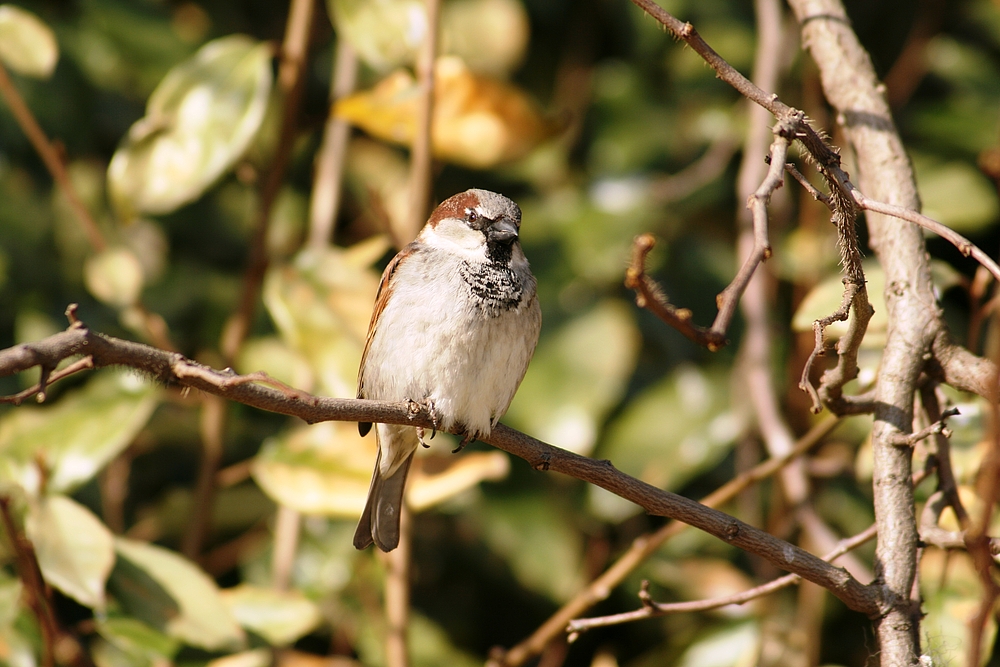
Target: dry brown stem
[[421, 152]]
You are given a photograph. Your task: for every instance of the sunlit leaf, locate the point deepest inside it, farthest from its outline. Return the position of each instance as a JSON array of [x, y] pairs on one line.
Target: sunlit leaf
[[136, 640], [952, 592], [431, 485], [200, 618], [491, 36], [669, 433], [577, 376], [825, 298], [539, 543], [320, 469], [957, 194], [259, 657], [75, 550], [17, 649], [385, 33], [77, 436], [731, 646], [326, 469], [199, 121], [280, 617], [114, 276], [11, 589], [27, 44], [478, 121], [273, 356], [321, 304]]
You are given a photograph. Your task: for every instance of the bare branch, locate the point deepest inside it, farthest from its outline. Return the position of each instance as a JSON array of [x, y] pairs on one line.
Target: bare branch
[[175, 369], [937, 428], [51, 157], [643, 547], [649, 295], [652, 609], [423, 142], [329, 175]]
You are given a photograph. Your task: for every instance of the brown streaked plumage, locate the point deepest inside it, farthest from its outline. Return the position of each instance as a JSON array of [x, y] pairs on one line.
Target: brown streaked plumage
[[454, 325]]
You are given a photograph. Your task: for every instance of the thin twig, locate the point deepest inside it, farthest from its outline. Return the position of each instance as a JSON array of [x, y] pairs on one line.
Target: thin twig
[[964, 245], [643, 547], [649, 295], [651, 609], [287, 527], [58, 646], [422, 151], [329, 176], [175, 369], [51, 157], [757, 202], [38, 390], [397, 594], [939, 427], [291, 81]]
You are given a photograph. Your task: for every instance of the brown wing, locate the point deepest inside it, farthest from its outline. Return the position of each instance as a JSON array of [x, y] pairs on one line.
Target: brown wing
[[381, 298]]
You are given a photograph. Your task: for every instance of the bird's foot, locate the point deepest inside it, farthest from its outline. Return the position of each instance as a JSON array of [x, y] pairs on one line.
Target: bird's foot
[[415, 408], [467, 437]]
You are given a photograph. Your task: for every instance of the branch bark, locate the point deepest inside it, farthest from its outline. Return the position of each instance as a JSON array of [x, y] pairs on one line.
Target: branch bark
[[851, 86], [174, 369]]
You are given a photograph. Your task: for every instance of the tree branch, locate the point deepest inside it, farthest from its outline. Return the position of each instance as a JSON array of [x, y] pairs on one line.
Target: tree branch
[[174, 369]]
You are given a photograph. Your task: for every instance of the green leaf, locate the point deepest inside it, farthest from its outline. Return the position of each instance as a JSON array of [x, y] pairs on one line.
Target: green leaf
[[320, 469], [199, 121], [825, 298], [27, 45], [669, 433], [578, 374], [141, 643], [75, 550], [258, 657], [538, 541], [10, 600], [77, 436], [114, 276], [321, 304], [957, 194], [385, 33], [280, 617], [951, 590], [730, 646], [201, 618]]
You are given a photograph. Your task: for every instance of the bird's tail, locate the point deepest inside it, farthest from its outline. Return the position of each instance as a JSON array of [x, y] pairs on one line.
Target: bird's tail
[[380, 519]]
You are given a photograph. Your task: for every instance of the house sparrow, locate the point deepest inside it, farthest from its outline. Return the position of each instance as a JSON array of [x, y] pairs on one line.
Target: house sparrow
[[455, 323]]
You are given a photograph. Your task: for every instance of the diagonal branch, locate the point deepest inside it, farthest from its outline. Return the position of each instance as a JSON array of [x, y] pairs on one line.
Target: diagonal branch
[[651, 609], [175, 369]]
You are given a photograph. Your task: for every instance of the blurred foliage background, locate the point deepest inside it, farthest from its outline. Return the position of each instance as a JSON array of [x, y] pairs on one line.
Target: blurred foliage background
[[159, 542]]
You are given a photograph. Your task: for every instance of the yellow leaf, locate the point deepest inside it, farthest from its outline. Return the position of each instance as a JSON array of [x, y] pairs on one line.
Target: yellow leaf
[[478, 121]]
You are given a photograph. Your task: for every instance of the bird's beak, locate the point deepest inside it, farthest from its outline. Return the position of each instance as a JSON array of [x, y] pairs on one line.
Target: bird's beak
[[501, 231]]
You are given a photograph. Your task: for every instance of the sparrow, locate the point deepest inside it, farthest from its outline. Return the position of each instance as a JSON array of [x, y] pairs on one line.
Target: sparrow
[[455, 323]]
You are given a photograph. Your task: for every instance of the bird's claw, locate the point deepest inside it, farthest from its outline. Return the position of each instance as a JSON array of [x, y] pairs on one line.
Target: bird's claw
[[466, 439]]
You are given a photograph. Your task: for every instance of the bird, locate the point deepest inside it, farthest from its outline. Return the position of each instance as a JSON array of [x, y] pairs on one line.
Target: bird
[[454, 326]]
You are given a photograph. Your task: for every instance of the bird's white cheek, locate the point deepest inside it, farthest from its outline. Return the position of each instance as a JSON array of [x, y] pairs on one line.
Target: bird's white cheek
[[452, 235]]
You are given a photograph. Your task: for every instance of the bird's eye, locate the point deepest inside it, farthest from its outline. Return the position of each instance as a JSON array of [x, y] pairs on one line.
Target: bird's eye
[[471, 215]]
